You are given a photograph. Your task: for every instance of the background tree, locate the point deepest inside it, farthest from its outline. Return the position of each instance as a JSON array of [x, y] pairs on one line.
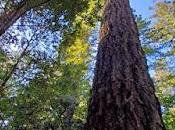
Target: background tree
[[44, 88]]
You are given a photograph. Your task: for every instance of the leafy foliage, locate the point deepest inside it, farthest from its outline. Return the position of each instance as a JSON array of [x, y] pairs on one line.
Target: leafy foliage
[[161, 40], [49, 88], [158, 43], [56, 96]]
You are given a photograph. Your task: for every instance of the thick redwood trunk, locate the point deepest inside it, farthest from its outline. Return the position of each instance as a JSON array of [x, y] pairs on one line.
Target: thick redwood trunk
[[123, 93]]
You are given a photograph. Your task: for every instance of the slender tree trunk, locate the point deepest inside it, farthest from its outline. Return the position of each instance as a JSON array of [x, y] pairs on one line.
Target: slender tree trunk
[[9, 17], [123, 93]]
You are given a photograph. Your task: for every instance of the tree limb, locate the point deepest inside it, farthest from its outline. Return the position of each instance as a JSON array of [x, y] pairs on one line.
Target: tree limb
[[8, 18]]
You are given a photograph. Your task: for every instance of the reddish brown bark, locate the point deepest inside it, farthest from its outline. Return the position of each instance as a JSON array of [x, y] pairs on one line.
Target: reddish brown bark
[[123, 94]]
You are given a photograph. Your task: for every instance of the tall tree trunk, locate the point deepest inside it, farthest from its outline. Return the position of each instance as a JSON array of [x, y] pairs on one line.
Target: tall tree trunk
[[9, 17], [123, 93]]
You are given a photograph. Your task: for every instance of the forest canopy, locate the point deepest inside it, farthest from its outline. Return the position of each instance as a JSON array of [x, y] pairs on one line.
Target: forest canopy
[[48, 52]]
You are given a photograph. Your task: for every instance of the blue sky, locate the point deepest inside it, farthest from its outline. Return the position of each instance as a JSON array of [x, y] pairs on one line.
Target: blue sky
[[142, 7]]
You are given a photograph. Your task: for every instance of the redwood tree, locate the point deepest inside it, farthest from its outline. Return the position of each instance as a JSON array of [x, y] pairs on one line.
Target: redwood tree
[[123, 93]]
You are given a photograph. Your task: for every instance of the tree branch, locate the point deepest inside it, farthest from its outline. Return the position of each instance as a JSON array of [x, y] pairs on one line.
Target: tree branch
[[13, 69], [8, 18]]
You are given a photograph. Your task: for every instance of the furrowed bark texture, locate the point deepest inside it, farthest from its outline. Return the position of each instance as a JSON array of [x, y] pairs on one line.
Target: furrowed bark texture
[[123, 93]]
